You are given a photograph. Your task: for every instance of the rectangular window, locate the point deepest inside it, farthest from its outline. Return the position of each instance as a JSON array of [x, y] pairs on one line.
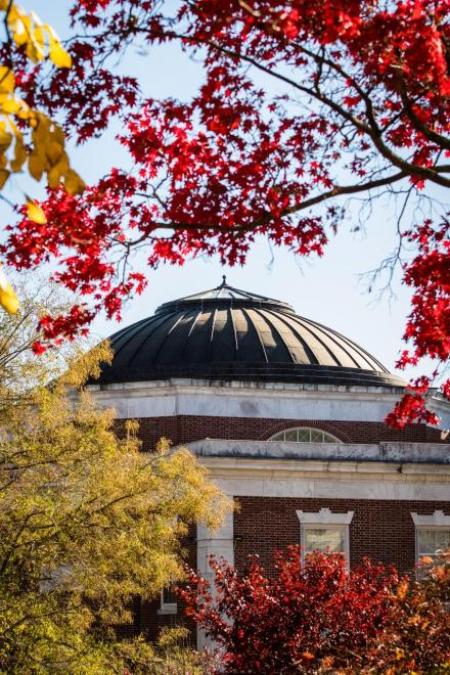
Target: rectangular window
[[327, 539], [168, 601], [431, 540], [325, 531]]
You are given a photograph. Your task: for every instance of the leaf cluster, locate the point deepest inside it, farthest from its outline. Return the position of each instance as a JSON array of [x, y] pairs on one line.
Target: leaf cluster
[[304, 111], [316, 616], [88, 523], [27, 135]]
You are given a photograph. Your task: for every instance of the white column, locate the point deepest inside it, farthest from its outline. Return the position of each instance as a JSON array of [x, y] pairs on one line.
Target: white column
[[220, 544]]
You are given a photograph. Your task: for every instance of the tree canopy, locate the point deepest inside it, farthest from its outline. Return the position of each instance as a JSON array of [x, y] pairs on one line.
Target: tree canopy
[[88, 523], [316, 616], [302, 106]]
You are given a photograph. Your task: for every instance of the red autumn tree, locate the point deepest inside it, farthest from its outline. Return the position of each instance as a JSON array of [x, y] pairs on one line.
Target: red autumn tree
[[318, 617], [304, 103]]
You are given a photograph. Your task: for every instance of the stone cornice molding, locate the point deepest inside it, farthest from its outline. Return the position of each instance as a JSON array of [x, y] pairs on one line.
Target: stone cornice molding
[[384, 453]]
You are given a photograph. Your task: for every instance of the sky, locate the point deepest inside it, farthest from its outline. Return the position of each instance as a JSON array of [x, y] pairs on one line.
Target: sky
[[329, 290]]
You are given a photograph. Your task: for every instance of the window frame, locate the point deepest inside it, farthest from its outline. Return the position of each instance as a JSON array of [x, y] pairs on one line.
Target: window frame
[[166, 607], [437, 521], [332, 438], [326, 520]]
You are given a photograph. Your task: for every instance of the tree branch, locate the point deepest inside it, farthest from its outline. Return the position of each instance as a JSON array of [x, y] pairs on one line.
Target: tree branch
[[307, 203]]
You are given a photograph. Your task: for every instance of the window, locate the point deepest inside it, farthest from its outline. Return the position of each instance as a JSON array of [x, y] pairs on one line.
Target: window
[[325, 531], [432, 534], [429, 542], [324, 539], [304, 435], [168, 601]]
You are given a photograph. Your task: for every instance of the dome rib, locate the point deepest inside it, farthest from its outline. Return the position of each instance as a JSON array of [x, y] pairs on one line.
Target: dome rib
[[236, 341], [368, 358], [228, 334], [281, 341], [256, 330], [307, 349], [129, 334], [153, 329], [298, 320], [317, 328]]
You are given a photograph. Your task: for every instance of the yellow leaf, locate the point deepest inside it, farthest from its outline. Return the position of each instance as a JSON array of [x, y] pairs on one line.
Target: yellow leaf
[[34, 51], [59, 56], [8, 298], [36, 213], [4, 175], [7, 80], [12, 105], [39, 36], [20, 29], [54, 152], [58, 171], [20, 155], [73, 183], [5, 139], [36, 165]]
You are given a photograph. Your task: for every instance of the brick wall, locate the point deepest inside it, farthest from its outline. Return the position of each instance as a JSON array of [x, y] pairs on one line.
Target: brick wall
[[382, 530], [187, 428]]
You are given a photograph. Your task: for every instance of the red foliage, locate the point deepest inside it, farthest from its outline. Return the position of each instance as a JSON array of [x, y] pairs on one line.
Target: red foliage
[[318, 617], [357, 99], [428, 325]]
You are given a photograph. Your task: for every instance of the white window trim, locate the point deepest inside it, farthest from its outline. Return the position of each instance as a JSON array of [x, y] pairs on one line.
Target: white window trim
[[436, 521], [326, 518], [167, 607]]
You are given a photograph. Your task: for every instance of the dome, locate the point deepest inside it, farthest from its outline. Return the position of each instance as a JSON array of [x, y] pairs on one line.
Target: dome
[[229, 334]]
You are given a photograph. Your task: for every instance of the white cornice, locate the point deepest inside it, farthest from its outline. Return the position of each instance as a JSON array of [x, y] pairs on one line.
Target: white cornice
[[329, 480], [253, 400], [224, 388], [282, 468], [386, 452]]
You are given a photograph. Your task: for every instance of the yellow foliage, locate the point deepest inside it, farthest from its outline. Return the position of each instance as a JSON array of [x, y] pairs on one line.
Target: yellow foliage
[[46, 153], [59, 56], [41, 143], [88, 523], [8, 298], [36, 213], [402, 589]]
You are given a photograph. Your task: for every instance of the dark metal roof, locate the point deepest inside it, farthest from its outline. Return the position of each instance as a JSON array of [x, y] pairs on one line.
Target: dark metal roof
[[228, 334]]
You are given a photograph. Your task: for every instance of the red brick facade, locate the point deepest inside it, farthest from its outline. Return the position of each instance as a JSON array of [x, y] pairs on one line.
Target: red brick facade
[[188, 428], [380, 529]]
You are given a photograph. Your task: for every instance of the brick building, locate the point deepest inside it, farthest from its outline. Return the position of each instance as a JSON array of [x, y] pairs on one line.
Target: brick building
[[288, 417]]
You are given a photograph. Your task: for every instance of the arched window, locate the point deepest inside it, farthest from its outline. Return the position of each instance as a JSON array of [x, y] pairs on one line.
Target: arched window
[[304, 435]]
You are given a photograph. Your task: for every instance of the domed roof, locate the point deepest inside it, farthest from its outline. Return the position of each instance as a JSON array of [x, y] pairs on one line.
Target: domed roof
[[228, 334]]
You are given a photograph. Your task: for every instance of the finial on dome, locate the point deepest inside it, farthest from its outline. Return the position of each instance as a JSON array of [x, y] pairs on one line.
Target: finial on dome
[[224, 279]]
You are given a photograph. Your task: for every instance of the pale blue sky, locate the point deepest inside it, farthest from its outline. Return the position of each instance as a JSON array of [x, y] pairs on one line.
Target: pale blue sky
[[327, 290]]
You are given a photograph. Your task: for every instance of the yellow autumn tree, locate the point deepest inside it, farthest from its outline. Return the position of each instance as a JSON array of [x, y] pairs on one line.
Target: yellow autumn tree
[[87, 523], [29, 140]]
